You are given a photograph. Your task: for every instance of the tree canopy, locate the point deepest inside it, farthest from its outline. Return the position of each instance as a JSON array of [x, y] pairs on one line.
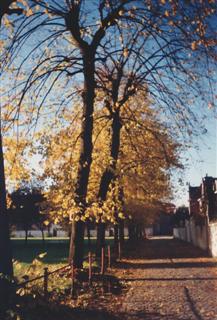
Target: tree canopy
[[80, 50]]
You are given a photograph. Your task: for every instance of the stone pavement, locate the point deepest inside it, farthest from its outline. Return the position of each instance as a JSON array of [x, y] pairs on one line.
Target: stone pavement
[[168, 279]]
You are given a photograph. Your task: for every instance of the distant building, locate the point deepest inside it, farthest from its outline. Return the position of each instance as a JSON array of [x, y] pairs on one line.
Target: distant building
[[194, 196], [164, 222], [201, 228], [203, 199]]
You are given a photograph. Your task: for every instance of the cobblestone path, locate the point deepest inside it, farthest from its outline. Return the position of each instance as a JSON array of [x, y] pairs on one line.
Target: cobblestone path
[[168, 279]]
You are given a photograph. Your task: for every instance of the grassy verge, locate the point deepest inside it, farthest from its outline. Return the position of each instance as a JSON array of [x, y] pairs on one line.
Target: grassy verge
[[56, 253]]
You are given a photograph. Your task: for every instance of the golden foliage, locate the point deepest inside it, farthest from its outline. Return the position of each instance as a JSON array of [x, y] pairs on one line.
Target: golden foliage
[[146, 154]]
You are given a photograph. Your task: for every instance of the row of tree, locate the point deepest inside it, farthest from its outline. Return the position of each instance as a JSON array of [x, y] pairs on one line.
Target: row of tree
[[123, 72], [25, 210], [136, 175]]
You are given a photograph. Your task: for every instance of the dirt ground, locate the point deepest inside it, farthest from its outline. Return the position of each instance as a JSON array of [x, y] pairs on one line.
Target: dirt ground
[[157, 278], [164, 279]]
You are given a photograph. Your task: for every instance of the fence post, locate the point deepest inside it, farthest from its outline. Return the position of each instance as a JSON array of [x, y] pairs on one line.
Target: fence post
[[119, 250], [45, 282], [102, 261], [109, 256], [90, 268], [73, 282]]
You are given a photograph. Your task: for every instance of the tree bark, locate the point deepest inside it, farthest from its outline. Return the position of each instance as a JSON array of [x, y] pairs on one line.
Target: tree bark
[[100, 242], [26, 236], [88, 235], [121, 231], [76, 250], [116, 238], [109, 175], [131, 230], [88, 51], [42, 233], [6, 266], [5, 244], [85, 159]]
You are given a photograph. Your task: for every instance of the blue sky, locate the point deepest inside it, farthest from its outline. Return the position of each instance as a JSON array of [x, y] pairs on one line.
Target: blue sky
[[201, 161]]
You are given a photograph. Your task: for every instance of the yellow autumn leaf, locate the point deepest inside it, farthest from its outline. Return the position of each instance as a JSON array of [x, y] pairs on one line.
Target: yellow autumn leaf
[[46, 222], [194, 45], [42, 255], [167, 14], [125, 52]]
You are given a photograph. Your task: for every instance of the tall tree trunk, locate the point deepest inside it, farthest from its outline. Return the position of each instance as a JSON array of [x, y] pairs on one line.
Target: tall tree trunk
[[6, 266], [76, 251], [109, 175], [85, 159], [42, 234], [88, 235], [121, 230], [121, 221], [26, 235], [137, 231], [116, 231], [100, 242], [116, 238], [131, 231]]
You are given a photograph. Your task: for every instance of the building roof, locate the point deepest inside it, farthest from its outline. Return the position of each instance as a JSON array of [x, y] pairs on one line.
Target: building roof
[[194, 192]]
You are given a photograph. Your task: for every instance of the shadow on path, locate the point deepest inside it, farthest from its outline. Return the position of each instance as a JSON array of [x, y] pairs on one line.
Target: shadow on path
[[169, 279], [67, 313], [165, 265], [162, 292], [192, 304], [57, 312], [151, 316], [164, 248]]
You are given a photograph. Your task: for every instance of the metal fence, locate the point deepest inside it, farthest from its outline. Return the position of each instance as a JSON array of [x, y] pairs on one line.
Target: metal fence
[[105, 262]]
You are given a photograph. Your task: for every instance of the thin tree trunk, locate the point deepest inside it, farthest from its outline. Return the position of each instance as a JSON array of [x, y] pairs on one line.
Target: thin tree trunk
[[42, 233], [100, 242], [109, 175], [26, 236], [85, 159], [6, 266], [131, 231], [88, 235], [121, 221], [116, 238], [137, 231], [121, 231]]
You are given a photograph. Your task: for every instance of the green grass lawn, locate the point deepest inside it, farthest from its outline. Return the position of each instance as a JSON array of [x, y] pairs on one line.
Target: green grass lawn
[[56, 248]]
